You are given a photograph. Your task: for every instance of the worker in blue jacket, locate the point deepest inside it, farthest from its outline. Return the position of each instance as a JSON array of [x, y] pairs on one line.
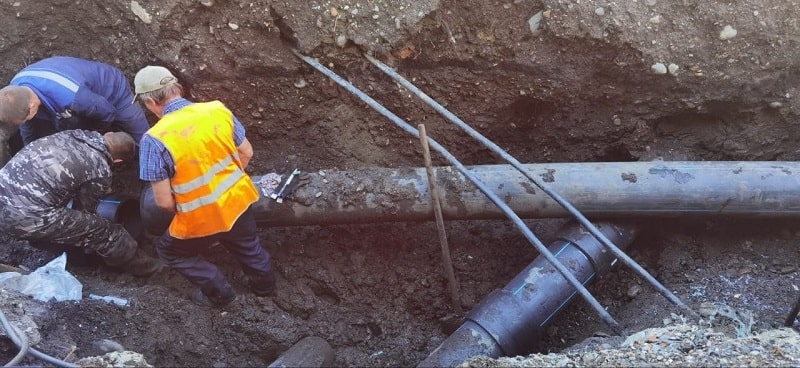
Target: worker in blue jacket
[[63, 93]]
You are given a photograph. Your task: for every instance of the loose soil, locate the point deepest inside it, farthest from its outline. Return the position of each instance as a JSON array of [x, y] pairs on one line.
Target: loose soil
[[585, 86]]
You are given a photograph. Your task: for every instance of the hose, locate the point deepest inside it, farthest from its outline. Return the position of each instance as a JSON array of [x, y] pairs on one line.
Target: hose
[[493, 197], [51, 360], [22, 343], [19, 339], [553, 194]]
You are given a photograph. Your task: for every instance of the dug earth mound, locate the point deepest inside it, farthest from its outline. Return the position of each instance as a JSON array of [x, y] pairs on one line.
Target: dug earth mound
[[549, 81]]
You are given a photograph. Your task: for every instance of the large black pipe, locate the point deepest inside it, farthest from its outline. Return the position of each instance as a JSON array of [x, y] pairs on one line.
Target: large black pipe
[[122, 209], [609, 189], [509, 321]]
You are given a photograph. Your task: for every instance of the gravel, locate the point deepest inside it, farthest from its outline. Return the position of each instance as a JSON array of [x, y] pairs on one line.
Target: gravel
[[677, 345]]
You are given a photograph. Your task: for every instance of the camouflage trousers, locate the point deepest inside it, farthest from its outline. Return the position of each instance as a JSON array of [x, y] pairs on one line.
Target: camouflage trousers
[[64, 226]]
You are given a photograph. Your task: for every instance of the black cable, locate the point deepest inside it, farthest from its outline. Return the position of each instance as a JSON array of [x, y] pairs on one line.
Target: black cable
[[51, 360], [19, 339], [24, 347]]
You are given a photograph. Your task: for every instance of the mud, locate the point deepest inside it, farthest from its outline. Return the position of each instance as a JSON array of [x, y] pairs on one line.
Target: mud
[[586, 85]]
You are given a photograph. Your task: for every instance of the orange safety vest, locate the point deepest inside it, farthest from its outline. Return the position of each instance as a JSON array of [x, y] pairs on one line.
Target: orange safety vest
[[210, 187]]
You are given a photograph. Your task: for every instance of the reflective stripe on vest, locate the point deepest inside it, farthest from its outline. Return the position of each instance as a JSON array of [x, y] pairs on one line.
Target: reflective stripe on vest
[[223, 186], [210, 188], [44, 74]]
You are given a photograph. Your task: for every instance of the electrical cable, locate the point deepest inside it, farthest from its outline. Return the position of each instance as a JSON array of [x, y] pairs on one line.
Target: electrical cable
[[18, 338], [607, 318], [22, 343], [545, 188], [51, 360]]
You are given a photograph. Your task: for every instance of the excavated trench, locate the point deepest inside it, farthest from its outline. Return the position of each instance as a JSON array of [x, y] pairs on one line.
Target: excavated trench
[[508, 323]]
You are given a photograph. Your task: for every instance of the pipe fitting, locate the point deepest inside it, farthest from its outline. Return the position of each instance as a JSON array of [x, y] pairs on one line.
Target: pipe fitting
[[124, 210]]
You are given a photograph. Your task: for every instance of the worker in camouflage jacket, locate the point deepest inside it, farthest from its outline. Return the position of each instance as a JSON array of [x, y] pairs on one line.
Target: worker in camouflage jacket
[[41, 179]]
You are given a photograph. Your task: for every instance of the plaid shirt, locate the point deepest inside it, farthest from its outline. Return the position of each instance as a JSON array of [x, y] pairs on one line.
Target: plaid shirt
[[155, 161]]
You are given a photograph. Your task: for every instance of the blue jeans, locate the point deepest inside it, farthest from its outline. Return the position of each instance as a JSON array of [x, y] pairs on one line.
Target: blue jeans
[[184, 255]]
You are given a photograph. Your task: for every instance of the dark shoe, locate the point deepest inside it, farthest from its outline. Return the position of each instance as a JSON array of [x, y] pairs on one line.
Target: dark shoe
[[142, 265], [263, 286], [201, 299]]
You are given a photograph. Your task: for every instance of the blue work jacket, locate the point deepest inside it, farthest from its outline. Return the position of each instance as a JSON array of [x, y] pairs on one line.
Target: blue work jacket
[[79, 94]]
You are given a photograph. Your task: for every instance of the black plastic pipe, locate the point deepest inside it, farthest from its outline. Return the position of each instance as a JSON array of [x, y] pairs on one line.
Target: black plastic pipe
[[511, 320], [124, 210], [767, 189], [119, 208]]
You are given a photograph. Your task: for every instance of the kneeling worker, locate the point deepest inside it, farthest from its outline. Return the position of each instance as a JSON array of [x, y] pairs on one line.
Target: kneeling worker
[[40, 180]]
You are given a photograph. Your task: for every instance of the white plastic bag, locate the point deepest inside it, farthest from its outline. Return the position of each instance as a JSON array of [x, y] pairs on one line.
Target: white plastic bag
[[50, 281]]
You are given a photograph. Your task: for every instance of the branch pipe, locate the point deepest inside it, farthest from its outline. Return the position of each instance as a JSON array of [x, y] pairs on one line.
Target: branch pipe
[[509, 321]]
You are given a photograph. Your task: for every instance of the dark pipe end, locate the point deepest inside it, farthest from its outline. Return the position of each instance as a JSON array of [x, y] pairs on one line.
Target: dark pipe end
[[467, 341], [155, 220], [124, 210]]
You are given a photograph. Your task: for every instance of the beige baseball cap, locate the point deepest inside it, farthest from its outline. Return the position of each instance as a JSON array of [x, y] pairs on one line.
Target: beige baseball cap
[[151, 78]]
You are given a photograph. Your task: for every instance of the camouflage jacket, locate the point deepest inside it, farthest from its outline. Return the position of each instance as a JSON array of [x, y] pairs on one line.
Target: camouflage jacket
[[49, 172]]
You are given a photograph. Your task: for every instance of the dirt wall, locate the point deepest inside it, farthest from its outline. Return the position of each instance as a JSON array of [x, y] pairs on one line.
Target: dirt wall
[[548, 80]]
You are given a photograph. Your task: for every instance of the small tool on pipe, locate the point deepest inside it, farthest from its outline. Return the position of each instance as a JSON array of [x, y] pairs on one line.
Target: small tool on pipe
[[278, 196]]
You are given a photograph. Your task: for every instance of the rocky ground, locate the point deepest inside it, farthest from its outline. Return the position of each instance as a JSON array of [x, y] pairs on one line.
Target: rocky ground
[[547, 80], [677, 345]]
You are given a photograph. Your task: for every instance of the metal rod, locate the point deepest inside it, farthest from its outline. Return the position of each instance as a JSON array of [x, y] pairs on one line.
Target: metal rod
[[793, 313], [493, 197], [558, 198], [437, 211]]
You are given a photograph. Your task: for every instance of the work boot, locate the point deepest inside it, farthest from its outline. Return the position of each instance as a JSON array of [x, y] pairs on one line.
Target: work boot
[[200, 298], [142, 265], [263, 286]]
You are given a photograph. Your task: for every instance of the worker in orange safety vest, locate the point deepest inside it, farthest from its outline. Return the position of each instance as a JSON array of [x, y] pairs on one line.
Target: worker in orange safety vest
[[194, 158]]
